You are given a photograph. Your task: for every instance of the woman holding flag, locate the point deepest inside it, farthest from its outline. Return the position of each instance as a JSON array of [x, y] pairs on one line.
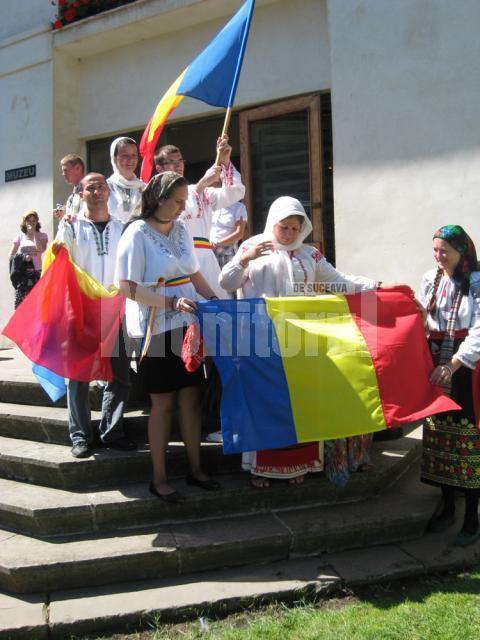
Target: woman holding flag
[[278, 263], [450, 294], [158, 272]]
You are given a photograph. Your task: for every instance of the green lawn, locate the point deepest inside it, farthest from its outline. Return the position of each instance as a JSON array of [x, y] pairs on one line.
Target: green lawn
[[440, 608]]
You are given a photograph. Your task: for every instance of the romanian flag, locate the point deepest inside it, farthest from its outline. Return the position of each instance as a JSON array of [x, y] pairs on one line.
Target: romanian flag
[[315, 368], [68, 324], [212, 78]]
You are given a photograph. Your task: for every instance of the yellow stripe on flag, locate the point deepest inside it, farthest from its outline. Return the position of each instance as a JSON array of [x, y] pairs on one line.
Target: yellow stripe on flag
[[167, 104], [328, 367], [87, 283]]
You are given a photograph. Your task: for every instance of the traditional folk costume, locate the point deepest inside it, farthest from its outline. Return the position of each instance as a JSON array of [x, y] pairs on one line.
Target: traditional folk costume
[[198, 214], [286, 271], [93, 247], [125, 195], [451, 440], [146, 256], [224, 223]]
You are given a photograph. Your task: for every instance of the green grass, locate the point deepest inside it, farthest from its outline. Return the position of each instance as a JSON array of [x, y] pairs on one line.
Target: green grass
[[443, 608]]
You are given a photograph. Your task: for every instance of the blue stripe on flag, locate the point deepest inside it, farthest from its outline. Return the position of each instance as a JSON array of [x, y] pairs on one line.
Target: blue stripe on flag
[[53, 384], [255, 412]]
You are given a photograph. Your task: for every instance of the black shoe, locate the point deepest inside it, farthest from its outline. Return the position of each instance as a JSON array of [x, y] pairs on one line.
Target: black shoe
[[208, 485], [173, 498], [122, 444], [81, 450]]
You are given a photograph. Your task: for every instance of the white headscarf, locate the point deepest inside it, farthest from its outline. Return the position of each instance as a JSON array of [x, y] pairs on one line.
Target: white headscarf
[[282, 208], [276, 267], [116, 176]]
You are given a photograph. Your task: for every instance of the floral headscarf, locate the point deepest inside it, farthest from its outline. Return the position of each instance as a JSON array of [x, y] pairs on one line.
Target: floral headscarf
[[459, 239]]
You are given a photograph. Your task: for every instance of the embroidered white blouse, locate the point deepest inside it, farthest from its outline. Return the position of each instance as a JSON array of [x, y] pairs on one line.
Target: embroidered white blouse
[[468, 316], [198, 218], [144, 256], [124, 202], [307, 272], [93, 251]]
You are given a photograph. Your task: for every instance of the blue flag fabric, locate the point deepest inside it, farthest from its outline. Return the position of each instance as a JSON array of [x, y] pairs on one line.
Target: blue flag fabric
[[242, 341], [53, 384], [213, 76]]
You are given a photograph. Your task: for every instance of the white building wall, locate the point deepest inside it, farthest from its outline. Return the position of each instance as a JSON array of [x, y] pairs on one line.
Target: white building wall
[[19, 16], [26, 134], [119, 90], [405, 105]]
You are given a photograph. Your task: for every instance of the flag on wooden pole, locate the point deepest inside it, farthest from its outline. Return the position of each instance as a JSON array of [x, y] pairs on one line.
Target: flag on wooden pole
[[212, 78]]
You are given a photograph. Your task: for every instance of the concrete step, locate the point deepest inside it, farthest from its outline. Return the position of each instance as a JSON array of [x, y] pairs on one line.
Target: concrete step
[[131, 606], [29, 565], [44, 511], [30, 393], [52, 465], [50, 424]]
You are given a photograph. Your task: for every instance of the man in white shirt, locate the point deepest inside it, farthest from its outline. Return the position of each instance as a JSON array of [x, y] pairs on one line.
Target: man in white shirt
[[92, 241]]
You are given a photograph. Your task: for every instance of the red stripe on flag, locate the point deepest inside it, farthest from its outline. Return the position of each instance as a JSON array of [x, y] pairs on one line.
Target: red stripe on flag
[[393, 330], [58, 327]]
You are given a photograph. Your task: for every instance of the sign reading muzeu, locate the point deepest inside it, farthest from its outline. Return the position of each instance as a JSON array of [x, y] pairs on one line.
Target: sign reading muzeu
[[20, 173]]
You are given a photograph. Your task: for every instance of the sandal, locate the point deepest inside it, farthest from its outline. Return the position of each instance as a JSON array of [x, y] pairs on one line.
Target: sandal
[[259, 482]]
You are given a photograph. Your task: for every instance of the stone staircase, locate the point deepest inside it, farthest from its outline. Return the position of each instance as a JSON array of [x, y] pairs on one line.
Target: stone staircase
[[68, 523]]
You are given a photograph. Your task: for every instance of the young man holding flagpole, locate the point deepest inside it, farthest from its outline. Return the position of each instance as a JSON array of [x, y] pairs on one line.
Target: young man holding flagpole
[[203, 200]]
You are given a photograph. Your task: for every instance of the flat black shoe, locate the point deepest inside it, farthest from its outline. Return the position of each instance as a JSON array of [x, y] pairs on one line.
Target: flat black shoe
[[208, 485], [122, 444], [173, 498], [81, 450]]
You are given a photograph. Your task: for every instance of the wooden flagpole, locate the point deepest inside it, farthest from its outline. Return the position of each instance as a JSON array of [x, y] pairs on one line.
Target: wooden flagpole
[[226, 124]]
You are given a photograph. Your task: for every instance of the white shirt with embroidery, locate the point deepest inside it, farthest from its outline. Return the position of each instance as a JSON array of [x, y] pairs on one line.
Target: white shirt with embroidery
[[273, 275], [94, 252], [146, 255], [468, 316], [198, 218], [122, 202]]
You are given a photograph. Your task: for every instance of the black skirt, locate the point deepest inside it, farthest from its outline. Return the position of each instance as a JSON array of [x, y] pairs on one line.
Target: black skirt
[[162, 370]]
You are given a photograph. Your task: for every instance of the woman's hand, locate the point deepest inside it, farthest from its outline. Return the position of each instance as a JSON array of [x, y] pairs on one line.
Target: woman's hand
[[185, 305], [257, 251], [444, 372]]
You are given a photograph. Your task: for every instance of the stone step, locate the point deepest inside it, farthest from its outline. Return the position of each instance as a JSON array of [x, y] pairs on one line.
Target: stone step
[[30, 393], [52, 465], [44, 511], [29, 565], [50, 424], [104, 610]]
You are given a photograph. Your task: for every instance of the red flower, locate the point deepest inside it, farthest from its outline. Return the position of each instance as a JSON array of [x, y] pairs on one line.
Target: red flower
[[62, 3], [76, 4], [469, 472], [85, 1], [58, 24], [70, 14]]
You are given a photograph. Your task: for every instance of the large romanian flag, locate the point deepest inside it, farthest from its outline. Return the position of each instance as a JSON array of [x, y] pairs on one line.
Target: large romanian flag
[[314, 368], [68, 323], [212, 78]]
